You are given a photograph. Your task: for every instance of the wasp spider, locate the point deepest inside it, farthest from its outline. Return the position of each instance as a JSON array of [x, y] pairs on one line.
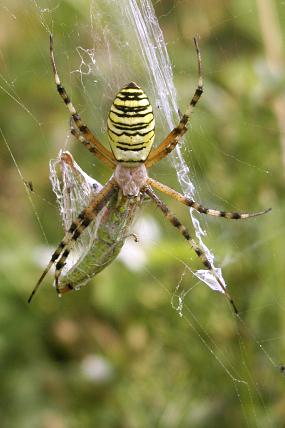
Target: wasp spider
[[131, 131]]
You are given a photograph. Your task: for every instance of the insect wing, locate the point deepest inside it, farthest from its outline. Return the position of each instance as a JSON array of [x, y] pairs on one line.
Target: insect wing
[[101, 242]]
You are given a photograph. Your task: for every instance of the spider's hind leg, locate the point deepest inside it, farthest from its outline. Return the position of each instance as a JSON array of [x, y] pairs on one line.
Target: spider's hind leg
[[174, 137], [90, 141]]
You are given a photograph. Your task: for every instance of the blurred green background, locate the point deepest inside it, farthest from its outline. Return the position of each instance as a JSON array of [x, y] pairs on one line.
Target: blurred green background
[[117, 353]]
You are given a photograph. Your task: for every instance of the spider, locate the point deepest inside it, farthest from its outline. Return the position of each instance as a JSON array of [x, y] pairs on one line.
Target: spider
[[131, 131]]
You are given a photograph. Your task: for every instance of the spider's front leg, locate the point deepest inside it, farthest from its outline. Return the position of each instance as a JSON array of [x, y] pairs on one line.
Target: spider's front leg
[[185, 233], [77, 227]]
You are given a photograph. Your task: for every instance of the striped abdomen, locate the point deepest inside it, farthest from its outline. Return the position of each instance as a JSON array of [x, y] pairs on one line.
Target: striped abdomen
[[131, 125]]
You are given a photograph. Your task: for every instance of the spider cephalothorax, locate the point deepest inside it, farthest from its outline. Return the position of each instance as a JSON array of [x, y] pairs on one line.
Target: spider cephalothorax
[[131, 135]]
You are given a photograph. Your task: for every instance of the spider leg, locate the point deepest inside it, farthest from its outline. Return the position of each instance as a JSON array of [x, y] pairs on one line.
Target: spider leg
[[198, 207], [77, 227], [185, 233], [101, 152], [173, 138], [75, 132]]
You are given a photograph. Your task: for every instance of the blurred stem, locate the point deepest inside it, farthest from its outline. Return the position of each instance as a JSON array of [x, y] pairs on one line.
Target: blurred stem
[[272, 39]]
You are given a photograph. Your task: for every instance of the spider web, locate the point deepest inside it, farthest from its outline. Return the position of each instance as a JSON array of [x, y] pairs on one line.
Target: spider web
[[139, 43]]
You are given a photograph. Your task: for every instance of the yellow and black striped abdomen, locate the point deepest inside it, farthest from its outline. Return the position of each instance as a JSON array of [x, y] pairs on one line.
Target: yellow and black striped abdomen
[[131, 125]]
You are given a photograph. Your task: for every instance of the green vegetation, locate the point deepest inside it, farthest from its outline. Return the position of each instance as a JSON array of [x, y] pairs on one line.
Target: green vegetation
[[117, 354]]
